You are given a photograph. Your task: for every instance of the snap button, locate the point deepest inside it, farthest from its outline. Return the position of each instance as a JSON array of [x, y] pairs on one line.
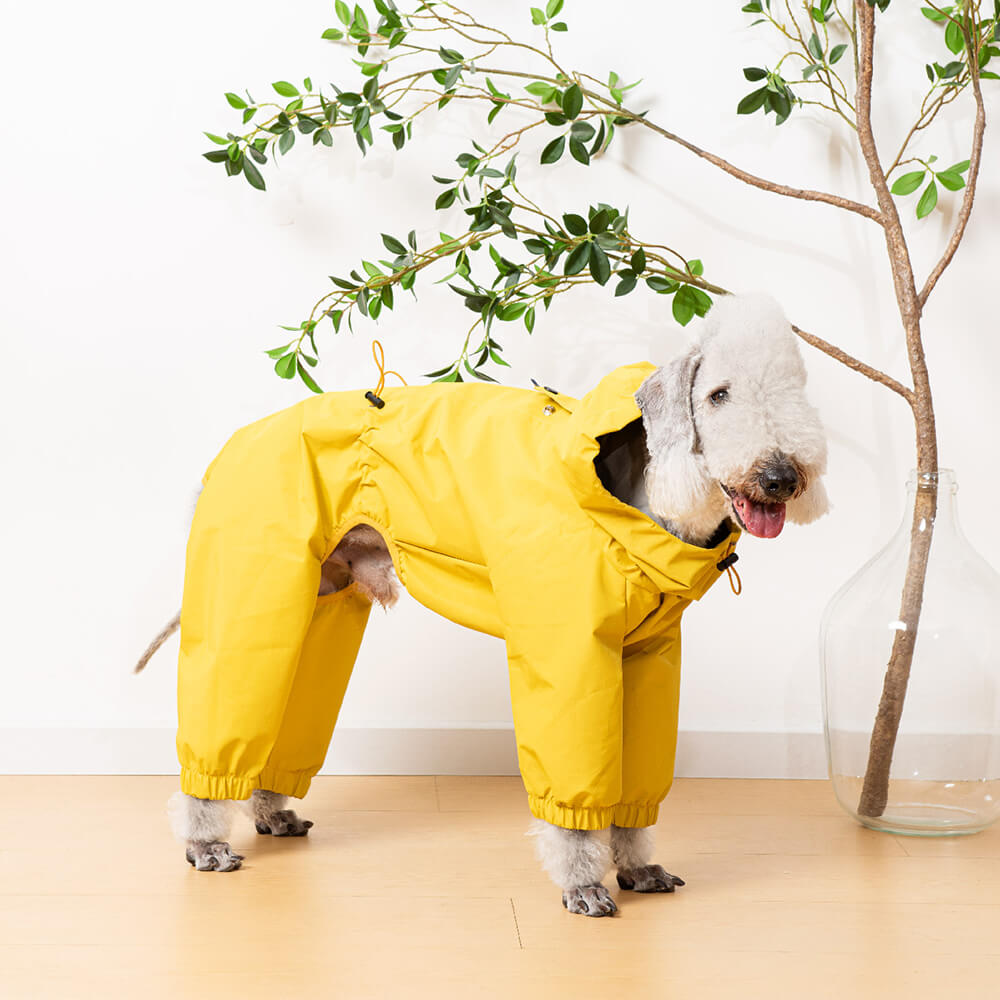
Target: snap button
[[549, 410]]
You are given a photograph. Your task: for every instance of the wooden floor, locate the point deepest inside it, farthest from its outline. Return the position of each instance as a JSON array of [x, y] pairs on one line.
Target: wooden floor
[[427, 887]]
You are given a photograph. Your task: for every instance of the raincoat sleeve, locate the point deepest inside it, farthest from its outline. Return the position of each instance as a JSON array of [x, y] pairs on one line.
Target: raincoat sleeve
[[563, 608], [251, 579]]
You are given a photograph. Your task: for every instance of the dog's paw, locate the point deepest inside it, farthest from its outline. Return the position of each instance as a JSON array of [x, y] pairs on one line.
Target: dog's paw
[[283, 823], [590, 900], [212, 856], [648, 878]]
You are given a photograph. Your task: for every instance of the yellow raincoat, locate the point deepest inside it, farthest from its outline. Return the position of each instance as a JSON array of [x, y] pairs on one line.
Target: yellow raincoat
[[491, 507]]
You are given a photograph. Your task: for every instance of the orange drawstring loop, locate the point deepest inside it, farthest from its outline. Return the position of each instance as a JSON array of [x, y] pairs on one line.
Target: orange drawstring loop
[[726, 563], [378, 353]]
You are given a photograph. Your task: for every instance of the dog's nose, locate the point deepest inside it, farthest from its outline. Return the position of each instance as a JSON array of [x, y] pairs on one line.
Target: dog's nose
[[779, 481]]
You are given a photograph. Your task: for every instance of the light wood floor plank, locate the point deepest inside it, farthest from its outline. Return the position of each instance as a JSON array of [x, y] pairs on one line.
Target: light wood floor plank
[[423, 887]]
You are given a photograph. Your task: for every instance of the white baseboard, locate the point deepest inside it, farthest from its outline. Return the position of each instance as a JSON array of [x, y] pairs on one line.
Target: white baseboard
[[401, 751]]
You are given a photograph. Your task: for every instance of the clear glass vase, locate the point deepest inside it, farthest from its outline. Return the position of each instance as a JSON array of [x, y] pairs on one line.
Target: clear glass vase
[[945, 763]]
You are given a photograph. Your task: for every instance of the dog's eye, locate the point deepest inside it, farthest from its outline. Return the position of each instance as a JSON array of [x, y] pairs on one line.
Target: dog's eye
[[719, 397]]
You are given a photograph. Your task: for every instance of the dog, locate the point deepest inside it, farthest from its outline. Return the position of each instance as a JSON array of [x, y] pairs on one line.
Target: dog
[[721, 438]]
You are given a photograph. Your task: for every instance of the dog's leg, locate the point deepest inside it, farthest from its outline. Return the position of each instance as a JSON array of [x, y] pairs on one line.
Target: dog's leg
[[203, 825], [576, 861], [631, 848], [269, 815]]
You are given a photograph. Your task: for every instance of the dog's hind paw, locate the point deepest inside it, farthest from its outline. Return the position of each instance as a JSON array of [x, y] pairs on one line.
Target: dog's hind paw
[[648, 878], [212, 856], [590, 900], [283, 823]]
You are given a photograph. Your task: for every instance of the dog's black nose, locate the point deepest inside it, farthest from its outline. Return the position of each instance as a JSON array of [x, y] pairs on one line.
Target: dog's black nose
[[779, 481]]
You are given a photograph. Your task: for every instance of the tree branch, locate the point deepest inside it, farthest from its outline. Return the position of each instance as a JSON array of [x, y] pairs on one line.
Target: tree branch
[[855, 365], [975, 158]]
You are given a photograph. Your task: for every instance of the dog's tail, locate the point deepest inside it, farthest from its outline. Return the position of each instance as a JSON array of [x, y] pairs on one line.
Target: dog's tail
[[165, 633]]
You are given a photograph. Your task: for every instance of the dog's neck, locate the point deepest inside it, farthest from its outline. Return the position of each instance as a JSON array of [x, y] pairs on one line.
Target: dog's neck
[[621, 466]]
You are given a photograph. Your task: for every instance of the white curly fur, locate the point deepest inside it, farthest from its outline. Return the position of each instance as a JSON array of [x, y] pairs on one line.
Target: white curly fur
[[631, 846], [572, 858], [202, 820], [747, 345]]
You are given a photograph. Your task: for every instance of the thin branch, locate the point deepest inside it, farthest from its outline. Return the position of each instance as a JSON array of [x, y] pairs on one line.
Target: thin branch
[[975, 158], [855, 365]]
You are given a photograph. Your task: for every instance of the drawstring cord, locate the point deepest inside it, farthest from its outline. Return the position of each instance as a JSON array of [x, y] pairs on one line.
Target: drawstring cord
[[378, 353], [735, 583]]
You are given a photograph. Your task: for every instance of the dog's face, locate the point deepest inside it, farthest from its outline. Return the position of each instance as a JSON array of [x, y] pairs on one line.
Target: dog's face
[[729, 429]]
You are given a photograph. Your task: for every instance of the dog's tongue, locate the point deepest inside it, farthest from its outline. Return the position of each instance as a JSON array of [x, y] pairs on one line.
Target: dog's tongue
[[765, 520]]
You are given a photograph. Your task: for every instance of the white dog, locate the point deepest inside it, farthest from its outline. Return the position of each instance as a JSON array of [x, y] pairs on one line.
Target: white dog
[[726, 435]]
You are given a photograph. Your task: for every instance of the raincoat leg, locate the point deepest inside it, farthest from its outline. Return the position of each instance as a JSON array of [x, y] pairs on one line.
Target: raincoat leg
[[251, 578], [328, 654], [651, 679]]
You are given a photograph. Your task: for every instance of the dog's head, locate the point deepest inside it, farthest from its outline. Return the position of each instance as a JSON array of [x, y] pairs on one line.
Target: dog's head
[[729, 429]]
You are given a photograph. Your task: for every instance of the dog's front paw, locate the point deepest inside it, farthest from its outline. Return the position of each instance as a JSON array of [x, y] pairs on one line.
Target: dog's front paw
[[648, 878], [590, 900], [283, 823], [212, 856]]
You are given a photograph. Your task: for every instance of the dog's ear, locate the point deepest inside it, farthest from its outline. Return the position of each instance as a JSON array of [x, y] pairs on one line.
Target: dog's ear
[[810, 505], [675, 478]]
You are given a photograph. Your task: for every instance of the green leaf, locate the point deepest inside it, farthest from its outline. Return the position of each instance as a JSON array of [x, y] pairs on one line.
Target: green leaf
[[578, 259], [927, 201], [696, 267], [951, 180], [553, 7], [599, 221], [934, 15], [285, 366], [660, 285], [639, 261], [252, 174], [393, 245], [600, 266], [236, 101], [307, 378], [529, 325], [545, 92], [446, 198], [572, 102], [559, 26], [815, 49], [752, 102], [958, 168], [538, 16], [286, 141], [836, 52], [908, 183], [332, 35], [683, 306], [286, 89], [554, 150], [579, 151], [349, 99], [343, 12], [217, 139], [953, 37], [754, 73], [576, 225], [450, 55], [626, 284]]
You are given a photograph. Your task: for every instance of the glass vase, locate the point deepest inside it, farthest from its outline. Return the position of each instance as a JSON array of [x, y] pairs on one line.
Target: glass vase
[[945, 762]]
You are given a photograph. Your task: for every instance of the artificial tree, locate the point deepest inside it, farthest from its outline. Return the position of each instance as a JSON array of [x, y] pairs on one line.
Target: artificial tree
[[413, 64]]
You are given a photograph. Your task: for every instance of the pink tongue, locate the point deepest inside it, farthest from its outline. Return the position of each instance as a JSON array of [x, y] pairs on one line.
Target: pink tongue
[[765, 520]]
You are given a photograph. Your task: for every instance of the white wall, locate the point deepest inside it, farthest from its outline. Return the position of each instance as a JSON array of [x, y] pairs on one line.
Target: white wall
[[141, 287]]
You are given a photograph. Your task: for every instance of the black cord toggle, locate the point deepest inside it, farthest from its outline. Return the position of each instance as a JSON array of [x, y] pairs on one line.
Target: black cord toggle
[[376, 401], [727, 562]]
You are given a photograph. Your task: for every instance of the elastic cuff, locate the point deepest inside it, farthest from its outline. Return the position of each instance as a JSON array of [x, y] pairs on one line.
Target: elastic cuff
[[593, 818], [294, 783], [227, 786], [216, 786]]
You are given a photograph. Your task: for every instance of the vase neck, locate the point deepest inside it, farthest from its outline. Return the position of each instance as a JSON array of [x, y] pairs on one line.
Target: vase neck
[[942, 485]]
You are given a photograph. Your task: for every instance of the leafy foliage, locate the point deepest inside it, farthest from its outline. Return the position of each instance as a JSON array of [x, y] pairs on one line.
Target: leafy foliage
[[512, 259]]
